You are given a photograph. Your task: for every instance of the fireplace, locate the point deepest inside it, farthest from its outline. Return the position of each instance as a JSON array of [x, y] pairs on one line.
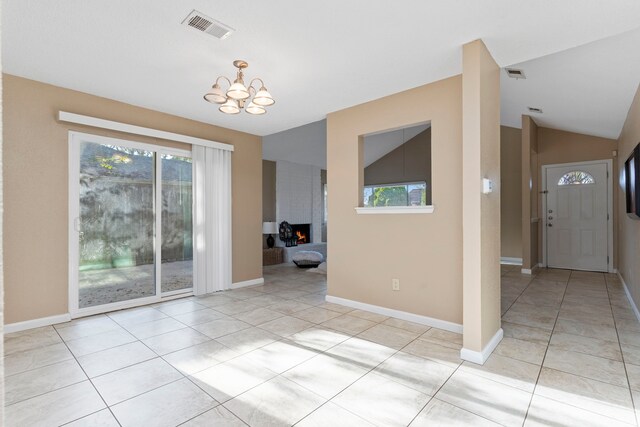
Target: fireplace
[[301, 233]]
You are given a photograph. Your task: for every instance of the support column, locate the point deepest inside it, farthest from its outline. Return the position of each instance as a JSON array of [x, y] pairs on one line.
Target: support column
[[529, 195], [481, 212]]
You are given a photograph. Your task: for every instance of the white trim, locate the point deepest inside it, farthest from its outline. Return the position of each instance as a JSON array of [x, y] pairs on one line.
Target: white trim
[[510, 261], [395, 210], [253, 282], [36, 323], [123, 305], [80, 119], [403, 315], [634, 307], [157, 209], [89, 311], [479, 357], [609, 165], [528, 271], [73, 222]]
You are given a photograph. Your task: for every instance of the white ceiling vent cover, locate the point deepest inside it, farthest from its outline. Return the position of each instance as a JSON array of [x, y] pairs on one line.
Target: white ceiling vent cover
[[201, 22]]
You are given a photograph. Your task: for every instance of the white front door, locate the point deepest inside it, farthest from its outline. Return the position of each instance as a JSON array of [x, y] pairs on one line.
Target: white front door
[[576, 216]]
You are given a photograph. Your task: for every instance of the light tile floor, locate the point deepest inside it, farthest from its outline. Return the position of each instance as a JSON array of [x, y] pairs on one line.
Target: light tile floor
[[277, 354]]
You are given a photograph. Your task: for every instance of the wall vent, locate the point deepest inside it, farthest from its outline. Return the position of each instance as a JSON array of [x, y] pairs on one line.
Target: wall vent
[[535, 110], [203, 23], [515, 73]]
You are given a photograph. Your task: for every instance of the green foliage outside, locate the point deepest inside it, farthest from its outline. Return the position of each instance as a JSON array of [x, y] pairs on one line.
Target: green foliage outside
[[390, 196]]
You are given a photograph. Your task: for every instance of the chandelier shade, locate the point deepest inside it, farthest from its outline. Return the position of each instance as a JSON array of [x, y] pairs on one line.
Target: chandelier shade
[[255, 109], [215, 95], [237, 91], [263, 98], [230, 107], [237, 95]]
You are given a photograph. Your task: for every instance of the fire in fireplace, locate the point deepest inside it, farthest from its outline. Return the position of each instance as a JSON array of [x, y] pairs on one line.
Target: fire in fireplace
[[302, 232]]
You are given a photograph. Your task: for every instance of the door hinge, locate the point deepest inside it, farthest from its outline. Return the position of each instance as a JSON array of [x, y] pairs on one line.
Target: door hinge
[[607, 174], [543, 192], [607, 216], [607, 259]]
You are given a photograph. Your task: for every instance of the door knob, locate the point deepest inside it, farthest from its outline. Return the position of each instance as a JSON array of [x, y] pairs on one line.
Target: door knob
[[550, 217], [549, 225]]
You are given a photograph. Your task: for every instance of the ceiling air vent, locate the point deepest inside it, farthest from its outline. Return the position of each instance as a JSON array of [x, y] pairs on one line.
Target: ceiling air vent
[[201, 22], [514, 73], [535, 110]]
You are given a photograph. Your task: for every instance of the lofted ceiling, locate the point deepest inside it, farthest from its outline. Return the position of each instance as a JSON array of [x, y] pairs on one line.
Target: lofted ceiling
[[380, 144], [319, 57], [587, 89]]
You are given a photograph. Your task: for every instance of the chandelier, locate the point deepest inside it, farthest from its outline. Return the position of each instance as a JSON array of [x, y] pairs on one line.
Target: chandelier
[[235, 98]]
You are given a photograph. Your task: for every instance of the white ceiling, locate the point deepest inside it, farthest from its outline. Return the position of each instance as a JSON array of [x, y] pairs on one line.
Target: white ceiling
[[588, 89], [315, 57]]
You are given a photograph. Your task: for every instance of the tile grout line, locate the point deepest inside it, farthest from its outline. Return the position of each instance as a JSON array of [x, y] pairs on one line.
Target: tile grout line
[[533, 392], [90, 382], [519, 295], [624, 364]]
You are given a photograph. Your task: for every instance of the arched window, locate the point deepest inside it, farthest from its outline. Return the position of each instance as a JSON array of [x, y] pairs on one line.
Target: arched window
[[576, 177]]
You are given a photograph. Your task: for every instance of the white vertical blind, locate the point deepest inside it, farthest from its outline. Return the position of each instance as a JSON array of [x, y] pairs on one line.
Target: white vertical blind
[[212, 219]]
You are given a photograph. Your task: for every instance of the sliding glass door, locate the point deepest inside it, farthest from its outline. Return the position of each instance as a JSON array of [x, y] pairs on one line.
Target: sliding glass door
[[177, 224], [130, 223]]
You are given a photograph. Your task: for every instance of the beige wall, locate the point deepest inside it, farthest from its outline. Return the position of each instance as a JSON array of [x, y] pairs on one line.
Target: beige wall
[[1, 260], [557, 146], [481, 212], [424, 251], [323, 181], [268, 190], [268, 195], [529, 191], [511, 192], [36, 177], [410, 162], [629, 229]]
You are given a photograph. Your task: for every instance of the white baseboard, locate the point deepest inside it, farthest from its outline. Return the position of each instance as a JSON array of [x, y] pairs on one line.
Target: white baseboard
[[510, 261], [530, 271], [252, 282], [402, 315], [36, 323], [629, 297], [61, 318], [479, 357]]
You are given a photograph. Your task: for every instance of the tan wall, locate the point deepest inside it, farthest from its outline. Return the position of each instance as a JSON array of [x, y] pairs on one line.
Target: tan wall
[[411, 162], [629, 229], [36, 177], [268, 195], [481, 212], [1, 257], [556, 146], [529, 192], [268, 190], [511, 192], [423, 251], [323, 181]]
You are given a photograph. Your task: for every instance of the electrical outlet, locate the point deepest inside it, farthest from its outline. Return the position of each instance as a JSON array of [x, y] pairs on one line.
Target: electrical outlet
[[395, 284]]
